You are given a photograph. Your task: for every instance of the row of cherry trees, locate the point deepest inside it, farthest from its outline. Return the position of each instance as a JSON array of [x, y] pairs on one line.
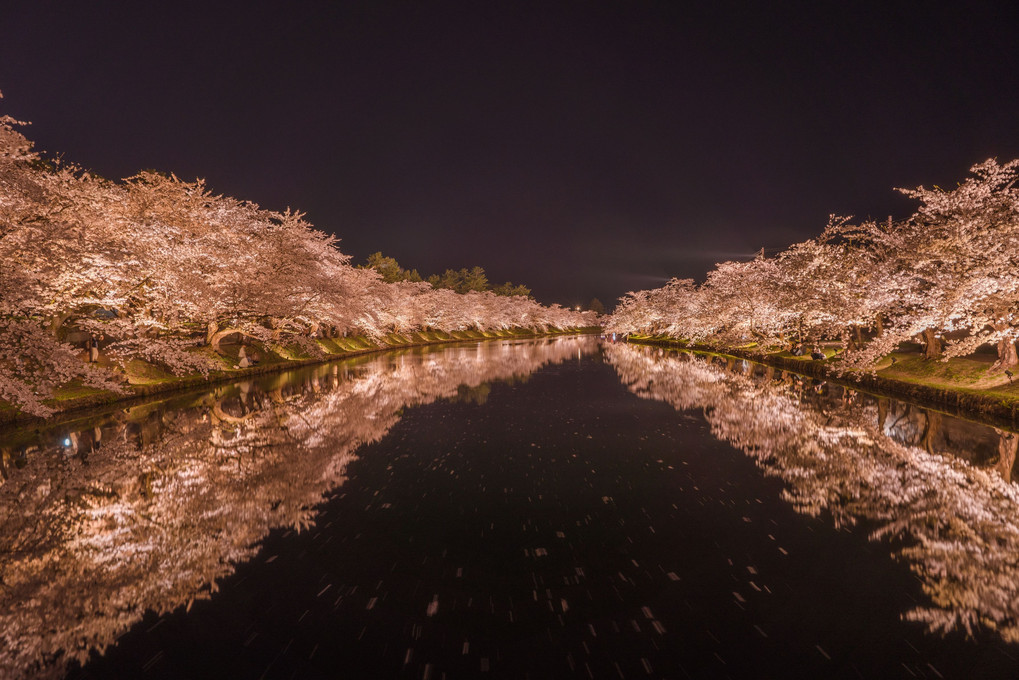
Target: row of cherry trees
[[948, 276], [160, 265]]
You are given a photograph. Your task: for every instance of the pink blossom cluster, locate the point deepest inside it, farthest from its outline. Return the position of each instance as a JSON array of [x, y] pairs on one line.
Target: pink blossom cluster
[[158, 265], [948, 276]]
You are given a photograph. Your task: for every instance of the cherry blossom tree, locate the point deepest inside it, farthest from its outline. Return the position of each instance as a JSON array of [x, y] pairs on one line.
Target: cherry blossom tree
[[948, 271], [968, 259], [158, 266]]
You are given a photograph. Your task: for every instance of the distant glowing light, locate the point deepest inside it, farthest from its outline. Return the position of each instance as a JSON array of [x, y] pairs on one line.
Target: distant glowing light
[[67, 441]]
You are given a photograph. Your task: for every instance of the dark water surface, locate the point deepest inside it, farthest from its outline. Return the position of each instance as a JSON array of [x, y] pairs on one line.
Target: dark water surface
[[522, 509]]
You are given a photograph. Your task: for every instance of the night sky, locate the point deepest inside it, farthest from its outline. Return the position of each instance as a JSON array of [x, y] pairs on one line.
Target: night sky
[[581, 148]]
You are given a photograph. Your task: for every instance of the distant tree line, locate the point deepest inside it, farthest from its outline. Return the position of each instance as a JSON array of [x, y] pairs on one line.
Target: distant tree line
[[459, 281]]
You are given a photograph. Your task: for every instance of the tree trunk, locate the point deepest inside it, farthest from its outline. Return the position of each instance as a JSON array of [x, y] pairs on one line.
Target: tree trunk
[[932, 431], [1008, 443], [878, 326], [210, 331], [224, 417], [1007, 357], [218, 336], [932, 345], [57, 322]]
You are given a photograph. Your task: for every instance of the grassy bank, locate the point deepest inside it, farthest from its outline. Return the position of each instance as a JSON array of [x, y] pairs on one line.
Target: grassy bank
[[961, 385], [143, 379]]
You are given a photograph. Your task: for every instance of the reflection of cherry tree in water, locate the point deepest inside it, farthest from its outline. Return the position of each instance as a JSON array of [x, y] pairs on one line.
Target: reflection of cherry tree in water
[[956, 525], [149, 511], [1008, 442]]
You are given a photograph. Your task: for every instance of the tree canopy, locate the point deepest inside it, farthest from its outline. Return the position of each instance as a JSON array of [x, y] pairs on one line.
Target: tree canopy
[[948, 276], [160, 265]]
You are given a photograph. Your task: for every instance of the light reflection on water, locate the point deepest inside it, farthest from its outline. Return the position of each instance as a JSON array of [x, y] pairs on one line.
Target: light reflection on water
[[146, 508], [939, 487]]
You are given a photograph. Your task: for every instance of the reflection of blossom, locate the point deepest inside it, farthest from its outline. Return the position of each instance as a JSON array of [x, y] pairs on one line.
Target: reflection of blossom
[[150, 512], [956, 525]]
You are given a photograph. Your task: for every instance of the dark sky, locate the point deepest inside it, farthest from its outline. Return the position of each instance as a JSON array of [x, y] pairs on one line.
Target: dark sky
[[582, 148]]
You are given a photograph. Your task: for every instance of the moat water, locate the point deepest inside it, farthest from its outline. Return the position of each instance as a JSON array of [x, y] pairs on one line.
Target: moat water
[[550, 508]]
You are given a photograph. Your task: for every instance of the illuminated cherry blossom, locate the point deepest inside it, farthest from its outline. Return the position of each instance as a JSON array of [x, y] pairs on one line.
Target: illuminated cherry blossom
[[157, 265]]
